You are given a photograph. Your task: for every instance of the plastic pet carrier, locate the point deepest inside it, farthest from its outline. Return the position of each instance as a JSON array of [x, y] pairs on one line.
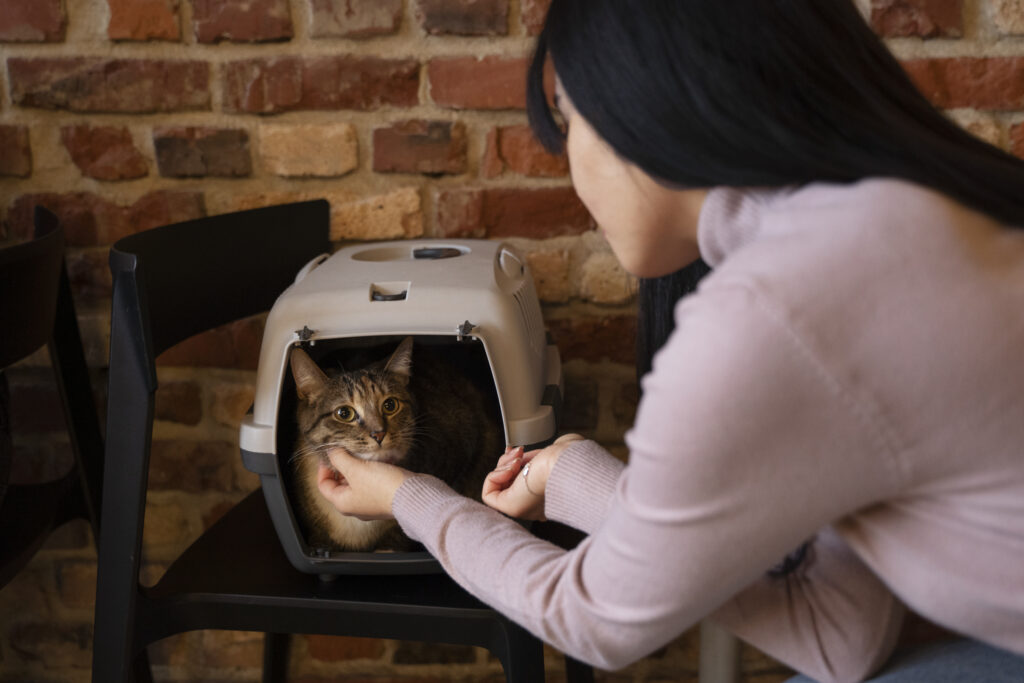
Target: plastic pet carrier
[[471, 301]]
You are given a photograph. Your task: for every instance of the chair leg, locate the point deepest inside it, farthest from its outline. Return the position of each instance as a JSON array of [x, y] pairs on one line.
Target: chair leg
[[577, 672], [275, 657], [143, 674], [719, 655], [521, 655]]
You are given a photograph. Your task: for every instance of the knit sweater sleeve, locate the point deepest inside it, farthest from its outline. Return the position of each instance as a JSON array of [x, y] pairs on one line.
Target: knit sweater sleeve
[[744, 447], [581, 485]]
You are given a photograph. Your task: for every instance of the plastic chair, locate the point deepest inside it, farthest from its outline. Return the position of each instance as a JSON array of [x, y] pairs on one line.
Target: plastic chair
[[36, 309], [168, 284]]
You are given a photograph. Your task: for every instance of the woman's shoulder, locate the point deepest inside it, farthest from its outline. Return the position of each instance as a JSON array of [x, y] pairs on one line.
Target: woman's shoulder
[[814, 215]]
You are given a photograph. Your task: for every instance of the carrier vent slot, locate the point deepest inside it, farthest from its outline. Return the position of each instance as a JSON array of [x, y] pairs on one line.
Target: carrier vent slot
[[389, 291], [532, 321], [434, 253]]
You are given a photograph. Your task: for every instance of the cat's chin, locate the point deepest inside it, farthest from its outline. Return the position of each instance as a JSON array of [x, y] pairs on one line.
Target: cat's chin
[[390, 456]]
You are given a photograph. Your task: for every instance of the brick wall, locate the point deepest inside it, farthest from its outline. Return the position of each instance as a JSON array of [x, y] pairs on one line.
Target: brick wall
[[408, 116]]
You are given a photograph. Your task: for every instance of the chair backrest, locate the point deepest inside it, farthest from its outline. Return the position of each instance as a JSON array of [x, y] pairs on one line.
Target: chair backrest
[[36, 309], [190, 277], [29, 279], [170, 283]]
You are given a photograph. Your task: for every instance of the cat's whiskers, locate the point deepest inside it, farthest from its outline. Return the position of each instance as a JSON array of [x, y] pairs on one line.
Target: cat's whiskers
[[314, 450]]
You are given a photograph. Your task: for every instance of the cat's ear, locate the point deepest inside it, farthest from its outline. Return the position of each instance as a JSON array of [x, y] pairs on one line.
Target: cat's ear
[[400, 362], [310, 380]]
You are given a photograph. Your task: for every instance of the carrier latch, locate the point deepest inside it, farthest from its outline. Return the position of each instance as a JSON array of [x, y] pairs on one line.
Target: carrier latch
[[464, 330]]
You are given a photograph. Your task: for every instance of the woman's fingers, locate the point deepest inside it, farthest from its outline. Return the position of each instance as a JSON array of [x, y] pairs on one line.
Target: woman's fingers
[[503, 475]]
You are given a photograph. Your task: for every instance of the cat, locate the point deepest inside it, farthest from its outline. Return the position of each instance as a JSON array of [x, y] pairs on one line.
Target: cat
[[425, 417]]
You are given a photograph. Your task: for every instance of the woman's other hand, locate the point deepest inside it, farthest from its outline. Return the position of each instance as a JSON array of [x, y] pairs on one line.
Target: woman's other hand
[[361, 488], [507, 490]]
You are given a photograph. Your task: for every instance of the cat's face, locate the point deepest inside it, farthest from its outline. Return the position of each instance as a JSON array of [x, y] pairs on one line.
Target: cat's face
[[369, 412]]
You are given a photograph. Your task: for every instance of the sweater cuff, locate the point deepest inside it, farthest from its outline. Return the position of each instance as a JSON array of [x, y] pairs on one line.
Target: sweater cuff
[[418, 502], [581, 485]]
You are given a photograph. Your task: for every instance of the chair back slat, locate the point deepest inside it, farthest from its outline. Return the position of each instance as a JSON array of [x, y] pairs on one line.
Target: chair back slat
[[28, 289], [194, 278]]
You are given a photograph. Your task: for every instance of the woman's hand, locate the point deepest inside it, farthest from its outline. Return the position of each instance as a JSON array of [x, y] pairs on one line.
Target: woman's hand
[[361, 488], [507, 490]]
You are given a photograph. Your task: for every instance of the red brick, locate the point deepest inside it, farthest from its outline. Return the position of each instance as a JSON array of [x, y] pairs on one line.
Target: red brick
[[402, 677], [515, 148], [273, 85], [624, 403], [995, 83], [1017, 140], [341, 649], [459, 213], [214, 514], [533, 14], [471, 83], [355, 18], [92, 84], [37, 463], [89, 273], [15, 151], [174, 652], [90, 220], [241, 20], [162, 207], [580, 406], [921, 18], [104, 152], [179, 402], [512, 212], [143, 20], [32, 21], [235, 345], [418, 652], [193, 466], [58, 644], [197, 152], [418, 146], [463, 17], [76, 583], [36, 408], [231, 401], [595, 339], [232, 649]]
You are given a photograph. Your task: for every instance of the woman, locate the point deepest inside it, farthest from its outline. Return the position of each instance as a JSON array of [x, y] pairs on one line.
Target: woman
[[852, 370]]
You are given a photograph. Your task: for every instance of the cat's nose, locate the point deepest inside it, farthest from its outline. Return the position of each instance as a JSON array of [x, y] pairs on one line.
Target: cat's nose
[[378, 436]]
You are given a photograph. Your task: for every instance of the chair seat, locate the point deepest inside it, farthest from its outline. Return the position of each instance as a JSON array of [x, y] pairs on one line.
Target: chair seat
[[221, 568]]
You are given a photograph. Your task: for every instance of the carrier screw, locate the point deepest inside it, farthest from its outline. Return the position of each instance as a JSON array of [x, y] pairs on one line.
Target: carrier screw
[[305, 334], [464, 330]]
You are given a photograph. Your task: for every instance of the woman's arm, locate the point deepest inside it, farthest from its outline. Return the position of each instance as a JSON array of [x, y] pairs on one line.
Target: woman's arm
[[571, 481], [744, 447], [581, 486], [831, 597]]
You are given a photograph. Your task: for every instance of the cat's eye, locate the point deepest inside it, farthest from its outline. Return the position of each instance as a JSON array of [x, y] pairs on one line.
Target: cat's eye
[[345, 414], [390, 406]]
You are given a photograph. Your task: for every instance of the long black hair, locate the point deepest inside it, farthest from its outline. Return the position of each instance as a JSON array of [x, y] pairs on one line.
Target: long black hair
[[732, 92]]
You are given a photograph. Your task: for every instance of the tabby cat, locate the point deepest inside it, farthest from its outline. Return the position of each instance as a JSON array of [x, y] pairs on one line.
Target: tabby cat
[[426, 418]]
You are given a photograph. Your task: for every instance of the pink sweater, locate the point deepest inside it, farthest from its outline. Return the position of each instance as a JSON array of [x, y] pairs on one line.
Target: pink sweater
[[853, 369]]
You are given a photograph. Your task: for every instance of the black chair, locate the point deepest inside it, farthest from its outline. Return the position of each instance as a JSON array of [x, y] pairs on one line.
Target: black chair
[[170, 283], [35, 310]]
